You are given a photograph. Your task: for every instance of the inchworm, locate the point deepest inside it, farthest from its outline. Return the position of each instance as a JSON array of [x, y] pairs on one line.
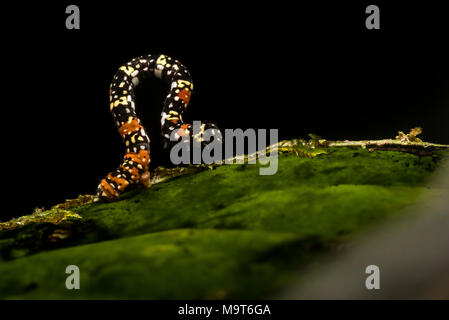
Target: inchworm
[[134, 168]]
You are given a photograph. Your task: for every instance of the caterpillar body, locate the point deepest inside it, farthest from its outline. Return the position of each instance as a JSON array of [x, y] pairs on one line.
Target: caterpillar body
[[135, 166]]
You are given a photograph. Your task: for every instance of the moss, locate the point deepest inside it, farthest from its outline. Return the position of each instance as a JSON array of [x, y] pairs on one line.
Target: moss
[[182, 263], [82, 200], [40, 216], [220, 233]]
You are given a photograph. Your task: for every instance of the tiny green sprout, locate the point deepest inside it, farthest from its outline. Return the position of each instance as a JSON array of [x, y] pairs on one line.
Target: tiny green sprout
[[317, 141], [411, 136]]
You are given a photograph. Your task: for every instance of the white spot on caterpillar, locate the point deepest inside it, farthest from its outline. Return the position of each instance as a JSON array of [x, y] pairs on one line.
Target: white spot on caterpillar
[[158, 73], [164, 116], [135, 81]]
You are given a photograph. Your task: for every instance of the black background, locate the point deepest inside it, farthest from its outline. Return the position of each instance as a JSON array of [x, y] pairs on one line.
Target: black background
[[280, 309], [302, 67]]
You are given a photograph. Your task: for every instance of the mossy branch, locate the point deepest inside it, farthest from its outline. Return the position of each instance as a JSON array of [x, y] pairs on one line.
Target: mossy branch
[[418, 148]]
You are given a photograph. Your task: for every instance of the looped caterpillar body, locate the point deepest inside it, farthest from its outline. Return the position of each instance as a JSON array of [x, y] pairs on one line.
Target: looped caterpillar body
[[134, 168]]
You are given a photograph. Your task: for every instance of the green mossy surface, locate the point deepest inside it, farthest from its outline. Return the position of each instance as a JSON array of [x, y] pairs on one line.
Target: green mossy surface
[[221, 233]]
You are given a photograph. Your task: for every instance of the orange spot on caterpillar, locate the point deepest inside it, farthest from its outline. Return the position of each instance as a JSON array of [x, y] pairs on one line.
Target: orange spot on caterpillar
[[111, 194], [184, 94], [183, 131], [121, 183], [135, 175], [129, 127], [142, 158]]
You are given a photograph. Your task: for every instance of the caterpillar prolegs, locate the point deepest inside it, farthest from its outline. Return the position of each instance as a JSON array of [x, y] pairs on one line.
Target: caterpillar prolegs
[[135, 166]]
